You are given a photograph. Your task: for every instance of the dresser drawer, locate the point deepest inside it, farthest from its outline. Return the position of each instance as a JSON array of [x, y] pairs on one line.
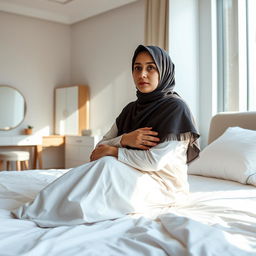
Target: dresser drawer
[[80, 140], [53, 141]]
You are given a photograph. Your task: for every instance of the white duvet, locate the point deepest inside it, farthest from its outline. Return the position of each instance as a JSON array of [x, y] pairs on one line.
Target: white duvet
[[218, 219]]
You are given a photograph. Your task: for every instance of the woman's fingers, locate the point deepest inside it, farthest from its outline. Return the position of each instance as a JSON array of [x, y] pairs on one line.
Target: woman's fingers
[[142, 138], [151, 138], [145, 128], [148, 130], [147, 138], [148, 143]]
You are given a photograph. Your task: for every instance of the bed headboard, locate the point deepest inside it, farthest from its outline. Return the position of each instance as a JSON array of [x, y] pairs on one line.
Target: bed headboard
[[222, 121]]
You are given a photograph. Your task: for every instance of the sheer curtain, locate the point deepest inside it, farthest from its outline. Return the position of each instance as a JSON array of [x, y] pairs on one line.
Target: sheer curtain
[[156, 23], [236, 55]]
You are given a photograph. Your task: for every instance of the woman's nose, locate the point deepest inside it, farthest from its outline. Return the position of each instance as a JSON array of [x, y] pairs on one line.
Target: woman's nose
[[144, 73]]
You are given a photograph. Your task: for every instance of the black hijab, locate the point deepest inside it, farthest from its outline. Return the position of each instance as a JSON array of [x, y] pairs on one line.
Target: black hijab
[[161, 109]]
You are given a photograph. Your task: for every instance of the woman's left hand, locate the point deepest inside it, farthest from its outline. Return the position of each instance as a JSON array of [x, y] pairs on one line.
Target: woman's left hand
[[103, 150]]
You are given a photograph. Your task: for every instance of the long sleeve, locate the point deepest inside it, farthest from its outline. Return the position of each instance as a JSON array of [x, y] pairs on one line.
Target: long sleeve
[[111, 138], [156, 158]]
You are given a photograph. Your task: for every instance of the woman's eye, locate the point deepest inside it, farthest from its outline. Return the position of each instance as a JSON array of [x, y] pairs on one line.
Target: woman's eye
[[137, 68], [151, 68]]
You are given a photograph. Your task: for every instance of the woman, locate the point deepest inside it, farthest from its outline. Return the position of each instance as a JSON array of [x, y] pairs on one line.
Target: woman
[[140, 164]]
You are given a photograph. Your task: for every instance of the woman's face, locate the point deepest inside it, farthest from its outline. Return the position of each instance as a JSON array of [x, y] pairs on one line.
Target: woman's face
[[145, 73]]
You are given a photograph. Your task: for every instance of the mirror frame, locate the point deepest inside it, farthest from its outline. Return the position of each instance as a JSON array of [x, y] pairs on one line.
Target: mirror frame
[[25, 109]]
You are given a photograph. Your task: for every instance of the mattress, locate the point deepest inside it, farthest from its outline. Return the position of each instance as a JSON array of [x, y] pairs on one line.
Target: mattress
[[217, 218]]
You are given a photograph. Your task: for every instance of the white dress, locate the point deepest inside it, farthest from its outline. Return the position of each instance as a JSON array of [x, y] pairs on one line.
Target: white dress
[[109, 188]]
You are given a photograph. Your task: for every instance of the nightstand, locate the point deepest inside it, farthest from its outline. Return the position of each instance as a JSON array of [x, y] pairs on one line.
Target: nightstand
[[78, 149]]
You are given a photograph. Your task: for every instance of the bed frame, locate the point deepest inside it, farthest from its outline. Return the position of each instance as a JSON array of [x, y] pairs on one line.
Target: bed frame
[[222, 121]]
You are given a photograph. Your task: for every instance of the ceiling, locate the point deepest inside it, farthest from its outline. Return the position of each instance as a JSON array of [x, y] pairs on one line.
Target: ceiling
[[63, 11]]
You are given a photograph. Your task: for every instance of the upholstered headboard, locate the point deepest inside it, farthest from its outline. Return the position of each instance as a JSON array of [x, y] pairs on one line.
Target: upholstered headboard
[[222, 121]]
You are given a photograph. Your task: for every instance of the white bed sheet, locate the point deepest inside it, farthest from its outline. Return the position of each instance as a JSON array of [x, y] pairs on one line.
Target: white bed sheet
[[219, 218]]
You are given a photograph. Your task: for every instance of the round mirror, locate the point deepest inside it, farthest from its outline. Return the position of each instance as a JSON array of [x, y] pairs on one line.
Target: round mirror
[[12, 108]]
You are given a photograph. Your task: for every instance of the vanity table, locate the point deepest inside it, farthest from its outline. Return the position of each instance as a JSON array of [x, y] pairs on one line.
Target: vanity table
[[37, 143], [32, 141]]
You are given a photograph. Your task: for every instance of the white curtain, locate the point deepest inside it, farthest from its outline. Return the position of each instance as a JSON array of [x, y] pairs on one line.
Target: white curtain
[[156, 23]]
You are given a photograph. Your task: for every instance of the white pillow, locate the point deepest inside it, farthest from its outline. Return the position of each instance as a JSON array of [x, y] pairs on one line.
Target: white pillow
[[232, 157]]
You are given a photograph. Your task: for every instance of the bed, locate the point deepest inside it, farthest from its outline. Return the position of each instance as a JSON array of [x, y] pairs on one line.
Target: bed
[[217, 218]]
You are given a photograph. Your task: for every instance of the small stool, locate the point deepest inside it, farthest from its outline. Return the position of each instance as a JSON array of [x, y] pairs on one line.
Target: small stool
[[20, 157]]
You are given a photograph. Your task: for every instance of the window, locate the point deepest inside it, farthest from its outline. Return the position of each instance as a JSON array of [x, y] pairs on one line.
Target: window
[[251, 54], [236, 34]]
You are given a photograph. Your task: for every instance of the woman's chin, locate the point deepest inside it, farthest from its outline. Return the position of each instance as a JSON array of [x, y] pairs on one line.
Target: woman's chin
[[145, 90]]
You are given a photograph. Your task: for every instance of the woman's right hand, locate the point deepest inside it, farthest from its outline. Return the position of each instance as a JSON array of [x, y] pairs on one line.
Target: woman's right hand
[[142, 138]]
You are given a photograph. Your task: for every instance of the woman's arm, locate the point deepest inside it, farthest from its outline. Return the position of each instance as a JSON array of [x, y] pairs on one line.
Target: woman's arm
[[154, 159], [111, 138], [103, 150], [143, 138]]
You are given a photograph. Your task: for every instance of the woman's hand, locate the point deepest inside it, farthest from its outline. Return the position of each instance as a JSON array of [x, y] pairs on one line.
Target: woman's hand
[[103, 150], [143, 138]]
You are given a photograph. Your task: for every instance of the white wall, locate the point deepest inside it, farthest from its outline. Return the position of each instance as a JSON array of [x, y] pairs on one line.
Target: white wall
[[34, 58], [101, 50]]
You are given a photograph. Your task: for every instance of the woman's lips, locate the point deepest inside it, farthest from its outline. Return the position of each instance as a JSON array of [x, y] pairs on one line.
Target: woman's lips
[[143, 83]]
